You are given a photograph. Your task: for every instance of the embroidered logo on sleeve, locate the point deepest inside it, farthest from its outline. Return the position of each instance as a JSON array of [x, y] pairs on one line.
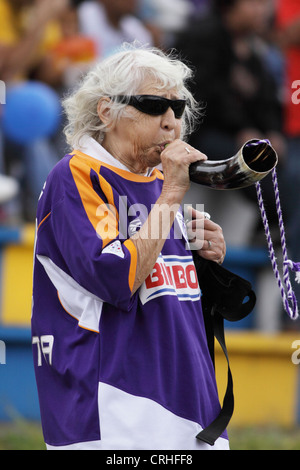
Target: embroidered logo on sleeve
[[114, 248]]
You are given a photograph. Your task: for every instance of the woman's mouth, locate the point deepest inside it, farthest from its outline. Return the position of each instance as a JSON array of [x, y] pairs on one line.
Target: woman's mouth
[[163, 146]]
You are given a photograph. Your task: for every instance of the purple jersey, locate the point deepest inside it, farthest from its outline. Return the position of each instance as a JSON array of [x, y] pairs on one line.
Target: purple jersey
[[115, 370]]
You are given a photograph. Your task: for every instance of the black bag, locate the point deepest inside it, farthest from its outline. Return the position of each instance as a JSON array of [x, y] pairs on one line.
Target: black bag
[[225, 295]]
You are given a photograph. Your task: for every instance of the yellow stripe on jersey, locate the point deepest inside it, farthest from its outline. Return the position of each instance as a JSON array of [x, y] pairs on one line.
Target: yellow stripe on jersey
[[133, 264], [128, 175], [44, 219], [103, 216]]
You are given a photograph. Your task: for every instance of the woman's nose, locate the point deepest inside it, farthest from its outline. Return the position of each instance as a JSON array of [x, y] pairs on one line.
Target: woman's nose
[[168, 120]]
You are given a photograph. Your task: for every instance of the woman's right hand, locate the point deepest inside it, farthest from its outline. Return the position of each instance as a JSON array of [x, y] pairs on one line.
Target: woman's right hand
[[176, 159], [149, 240]]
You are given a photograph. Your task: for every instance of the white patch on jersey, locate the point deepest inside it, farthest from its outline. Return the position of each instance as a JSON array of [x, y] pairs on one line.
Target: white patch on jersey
[[171, 275], [77, 301], [134, 226], [182, 227], [127, 421], [114, 248]]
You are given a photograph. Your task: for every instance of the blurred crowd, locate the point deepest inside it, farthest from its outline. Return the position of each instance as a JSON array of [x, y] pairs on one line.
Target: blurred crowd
[[246, 57]]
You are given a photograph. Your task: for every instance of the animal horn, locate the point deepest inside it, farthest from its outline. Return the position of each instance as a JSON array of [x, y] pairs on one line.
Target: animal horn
[[251, 164]]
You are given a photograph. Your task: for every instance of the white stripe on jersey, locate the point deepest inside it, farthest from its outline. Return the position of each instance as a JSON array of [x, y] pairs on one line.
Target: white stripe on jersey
[[77, 301], [159, 429]]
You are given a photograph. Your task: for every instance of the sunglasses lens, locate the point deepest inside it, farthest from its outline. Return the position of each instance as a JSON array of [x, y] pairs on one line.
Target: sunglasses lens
[[178, 107], [157, 105], [153, 105]]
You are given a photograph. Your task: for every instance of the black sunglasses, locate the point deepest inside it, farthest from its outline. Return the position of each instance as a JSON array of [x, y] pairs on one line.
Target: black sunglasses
[[153, 104]]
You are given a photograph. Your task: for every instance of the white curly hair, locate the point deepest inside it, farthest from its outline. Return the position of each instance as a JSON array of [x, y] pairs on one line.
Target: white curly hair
[[123, 73]]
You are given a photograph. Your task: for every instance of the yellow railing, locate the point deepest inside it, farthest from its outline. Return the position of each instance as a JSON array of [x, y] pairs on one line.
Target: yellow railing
[[265, 378]]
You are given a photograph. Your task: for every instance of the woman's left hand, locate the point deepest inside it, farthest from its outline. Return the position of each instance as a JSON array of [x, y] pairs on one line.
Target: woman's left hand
[[205, 236]]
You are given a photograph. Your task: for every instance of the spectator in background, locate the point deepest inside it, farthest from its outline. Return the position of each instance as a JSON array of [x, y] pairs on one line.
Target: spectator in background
[[110, 23], [22, 42], [69, 57], [146, 11], [28, 28], [168, 17], [239, 92], [288, 20], [67, 61], [28, 31], [200, 6]]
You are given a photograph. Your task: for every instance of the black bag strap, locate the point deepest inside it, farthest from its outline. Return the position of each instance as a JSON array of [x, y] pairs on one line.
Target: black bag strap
[[223, 296], [211, 433]]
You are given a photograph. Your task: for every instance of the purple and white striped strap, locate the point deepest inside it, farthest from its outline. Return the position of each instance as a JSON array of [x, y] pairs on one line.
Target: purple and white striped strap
[[287, 293]]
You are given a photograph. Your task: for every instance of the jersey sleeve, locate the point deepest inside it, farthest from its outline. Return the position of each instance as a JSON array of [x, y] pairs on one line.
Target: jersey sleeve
[[79, 232]]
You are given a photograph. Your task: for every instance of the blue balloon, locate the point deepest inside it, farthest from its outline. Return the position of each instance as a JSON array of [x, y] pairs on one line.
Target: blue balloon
[[32, 111]]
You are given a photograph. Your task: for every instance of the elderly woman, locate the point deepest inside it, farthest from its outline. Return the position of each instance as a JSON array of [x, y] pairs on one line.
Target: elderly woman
[[119, 343]]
